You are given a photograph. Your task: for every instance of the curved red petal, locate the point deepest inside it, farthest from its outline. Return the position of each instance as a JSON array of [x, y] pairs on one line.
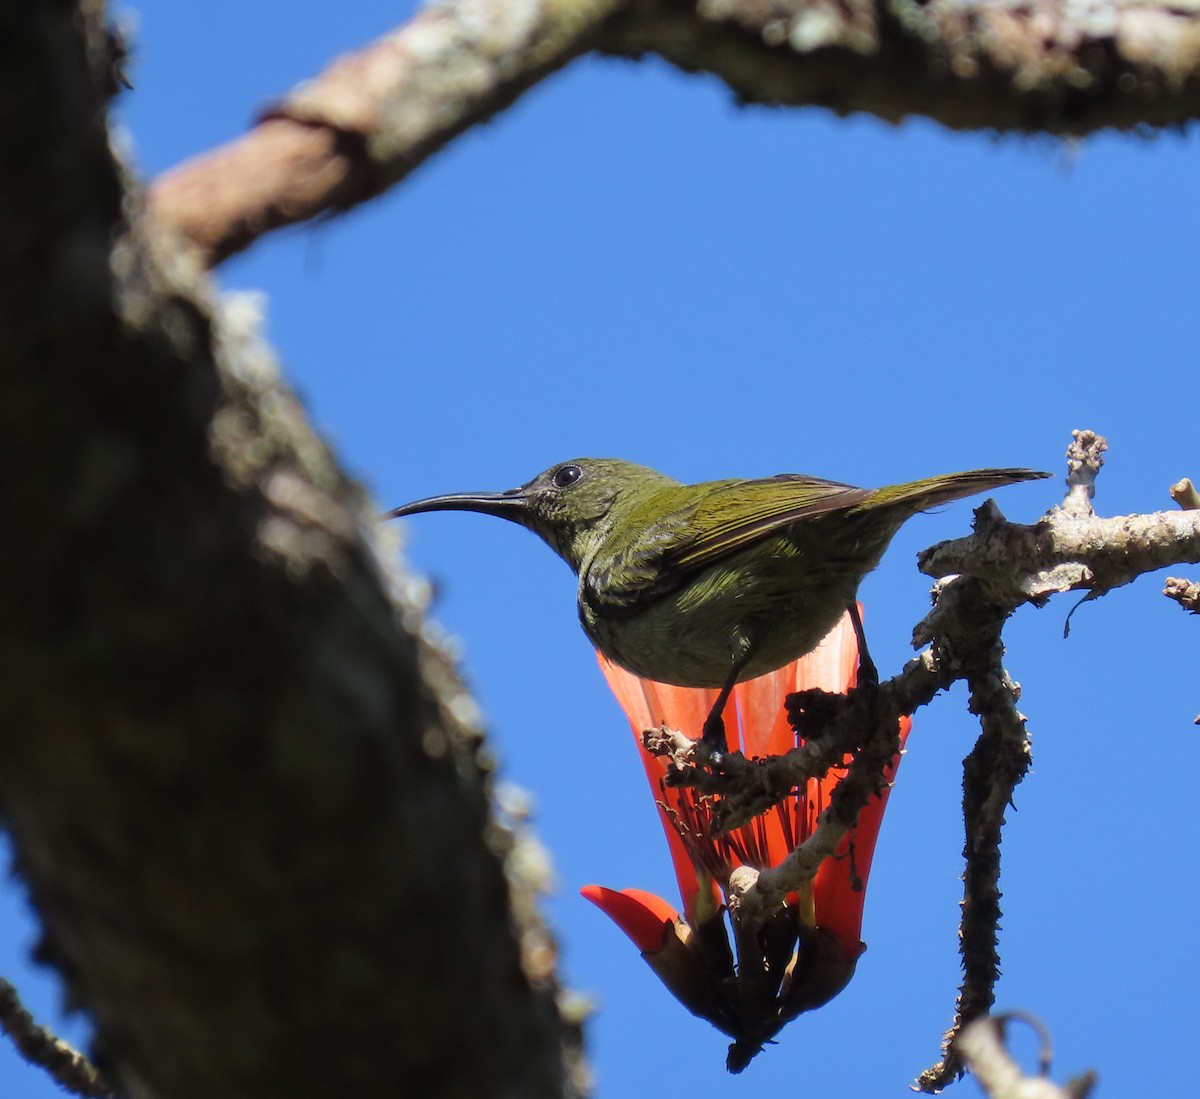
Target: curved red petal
[[643, 916]]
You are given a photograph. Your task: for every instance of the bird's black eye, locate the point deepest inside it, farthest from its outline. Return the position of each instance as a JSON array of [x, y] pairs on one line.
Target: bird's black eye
[[566, 475]]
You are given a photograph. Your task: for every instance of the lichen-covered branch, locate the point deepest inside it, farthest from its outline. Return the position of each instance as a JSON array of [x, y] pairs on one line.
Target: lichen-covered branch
[[1068, 549], [862, 725], [1050, 65], [833, 728], [1055, 66], [1063, 552]]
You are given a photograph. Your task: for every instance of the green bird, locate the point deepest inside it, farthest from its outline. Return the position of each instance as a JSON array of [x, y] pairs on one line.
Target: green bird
[[709, 584]]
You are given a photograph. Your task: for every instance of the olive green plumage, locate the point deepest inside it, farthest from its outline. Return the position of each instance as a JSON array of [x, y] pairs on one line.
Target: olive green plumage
[[700, 585]]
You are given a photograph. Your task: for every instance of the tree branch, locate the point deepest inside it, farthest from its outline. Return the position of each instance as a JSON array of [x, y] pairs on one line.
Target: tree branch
[[344, 137], [1055, 67], [1069, 549], [1185, 592], [832, 728]]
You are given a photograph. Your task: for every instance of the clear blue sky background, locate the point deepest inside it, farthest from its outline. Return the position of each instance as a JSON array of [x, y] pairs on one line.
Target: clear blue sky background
[[628, 264]]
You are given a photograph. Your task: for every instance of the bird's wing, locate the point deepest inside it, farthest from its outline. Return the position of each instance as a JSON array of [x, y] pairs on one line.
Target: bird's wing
[[662, 555], [731, 519]]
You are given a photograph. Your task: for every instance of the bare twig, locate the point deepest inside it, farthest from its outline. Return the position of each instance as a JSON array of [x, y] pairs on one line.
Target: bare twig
[[1185, 495], [1085, 456], [1185, 592], [69, 1068], [998, 762], [862, 724]]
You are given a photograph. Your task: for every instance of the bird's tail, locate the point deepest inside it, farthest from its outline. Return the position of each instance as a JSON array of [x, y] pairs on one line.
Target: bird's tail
[[919, 495]]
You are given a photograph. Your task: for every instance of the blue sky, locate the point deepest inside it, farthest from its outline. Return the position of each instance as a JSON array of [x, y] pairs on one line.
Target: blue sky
[[628, 264]]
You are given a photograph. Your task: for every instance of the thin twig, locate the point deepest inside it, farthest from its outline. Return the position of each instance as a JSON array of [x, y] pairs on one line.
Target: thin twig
[[69, 1068], [1185, 592], [998, 762], [1185, 495]]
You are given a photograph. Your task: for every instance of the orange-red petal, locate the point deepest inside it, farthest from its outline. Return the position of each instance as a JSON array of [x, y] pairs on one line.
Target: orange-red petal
[[644, 917]]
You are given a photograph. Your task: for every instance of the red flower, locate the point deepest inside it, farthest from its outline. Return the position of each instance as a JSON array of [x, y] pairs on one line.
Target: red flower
[[801, 957]]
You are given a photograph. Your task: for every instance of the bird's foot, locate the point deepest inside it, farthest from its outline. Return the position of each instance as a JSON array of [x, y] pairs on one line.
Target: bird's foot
[[868, 674], [713, 736]]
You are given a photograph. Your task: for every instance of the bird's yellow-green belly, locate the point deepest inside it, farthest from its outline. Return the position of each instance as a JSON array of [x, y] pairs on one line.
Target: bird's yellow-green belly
[[691, 637]]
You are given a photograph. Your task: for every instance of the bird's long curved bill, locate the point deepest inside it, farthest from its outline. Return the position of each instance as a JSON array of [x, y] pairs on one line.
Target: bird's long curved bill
[[507, 505]]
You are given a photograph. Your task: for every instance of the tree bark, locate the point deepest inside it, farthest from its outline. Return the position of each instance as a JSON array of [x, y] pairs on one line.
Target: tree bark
[[246, 794]]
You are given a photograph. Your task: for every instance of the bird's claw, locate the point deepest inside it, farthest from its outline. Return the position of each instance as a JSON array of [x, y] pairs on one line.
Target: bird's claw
[[713, 736], [868, 674]]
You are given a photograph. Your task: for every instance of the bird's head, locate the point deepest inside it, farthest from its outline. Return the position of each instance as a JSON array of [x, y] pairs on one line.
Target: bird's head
[[573, 506]]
